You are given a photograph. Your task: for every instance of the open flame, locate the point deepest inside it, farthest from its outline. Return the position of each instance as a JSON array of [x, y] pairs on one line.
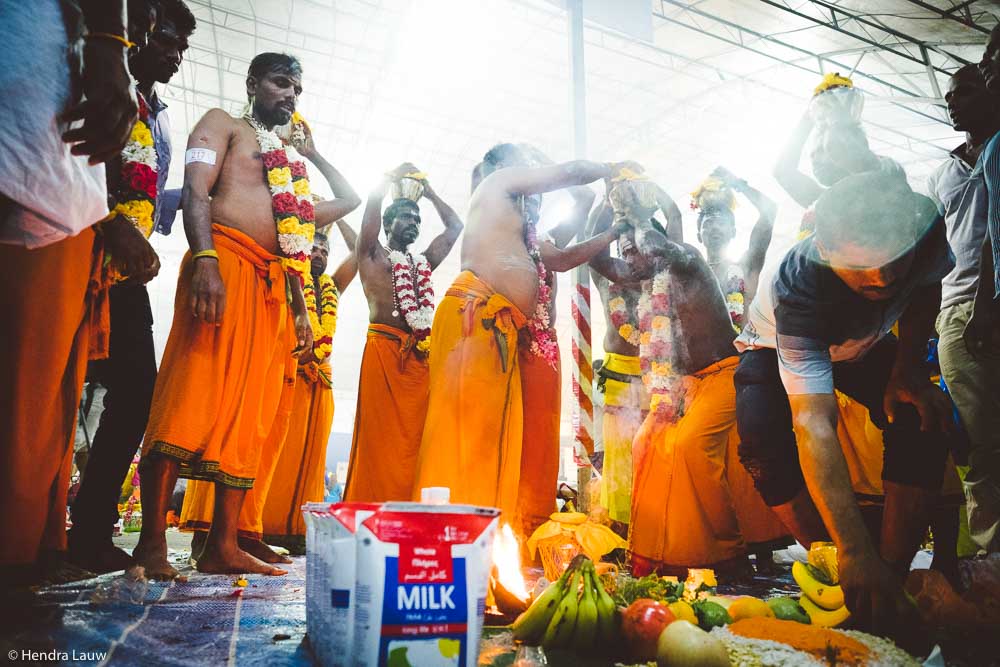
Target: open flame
[[507, 562]]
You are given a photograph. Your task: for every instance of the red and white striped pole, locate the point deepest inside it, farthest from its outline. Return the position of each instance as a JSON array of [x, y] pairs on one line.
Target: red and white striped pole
[[583, 371]]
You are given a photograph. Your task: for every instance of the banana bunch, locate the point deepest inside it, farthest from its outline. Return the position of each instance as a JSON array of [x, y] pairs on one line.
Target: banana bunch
[[822, 598], [573, 612]]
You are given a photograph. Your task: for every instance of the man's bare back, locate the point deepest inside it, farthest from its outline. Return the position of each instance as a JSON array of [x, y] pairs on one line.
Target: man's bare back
[[494, 249]]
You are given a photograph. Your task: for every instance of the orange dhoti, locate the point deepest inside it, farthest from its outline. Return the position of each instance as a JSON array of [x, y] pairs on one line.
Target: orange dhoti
[[625, 406], [300, 475], [43, 361], [541, 392], [389, 421], [683, 511], [219, 387], [473, 433], [199, 497]]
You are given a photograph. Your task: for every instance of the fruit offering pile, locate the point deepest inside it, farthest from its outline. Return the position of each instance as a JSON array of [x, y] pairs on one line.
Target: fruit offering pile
[[573, 612]]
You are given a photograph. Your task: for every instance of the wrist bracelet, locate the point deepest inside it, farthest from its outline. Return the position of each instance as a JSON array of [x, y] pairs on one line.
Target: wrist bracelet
[[113, 37], [205, 253]]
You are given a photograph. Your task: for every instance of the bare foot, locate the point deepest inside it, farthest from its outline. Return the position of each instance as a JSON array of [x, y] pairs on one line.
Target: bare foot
[[154, 561], [213, 561], [259, 550]]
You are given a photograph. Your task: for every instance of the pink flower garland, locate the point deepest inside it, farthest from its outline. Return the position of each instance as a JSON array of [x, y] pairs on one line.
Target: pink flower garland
[[415, 303], [543, 337]]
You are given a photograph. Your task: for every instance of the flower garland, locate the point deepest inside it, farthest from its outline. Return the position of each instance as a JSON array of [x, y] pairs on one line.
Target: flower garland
[[322, 318], [656, 348], [543, 338], [136, 194], [413, 294], [621, 313], [291, 200], [735, 290]]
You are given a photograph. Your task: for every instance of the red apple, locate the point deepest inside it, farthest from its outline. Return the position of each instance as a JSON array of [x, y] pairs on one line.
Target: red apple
[[642, 623]]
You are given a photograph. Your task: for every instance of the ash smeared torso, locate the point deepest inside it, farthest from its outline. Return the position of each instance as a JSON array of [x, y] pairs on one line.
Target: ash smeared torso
[[493, 248], [702, 329]]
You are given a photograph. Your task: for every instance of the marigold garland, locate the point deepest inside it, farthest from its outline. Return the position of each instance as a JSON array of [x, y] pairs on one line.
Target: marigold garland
[[291, 201], [656, 348], [413, 294], [323, 318], [136, 193], [622, 314]]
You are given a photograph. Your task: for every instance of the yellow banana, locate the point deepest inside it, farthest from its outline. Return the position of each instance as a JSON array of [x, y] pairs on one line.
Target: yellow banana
[[824, 617], [822, 595], [585, 633], [531, 624], [560, 629]]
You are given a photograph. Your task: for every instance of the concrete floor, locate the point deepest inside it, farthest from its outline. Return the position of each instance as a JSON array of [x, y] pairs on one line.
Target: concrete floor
[[175, 540]]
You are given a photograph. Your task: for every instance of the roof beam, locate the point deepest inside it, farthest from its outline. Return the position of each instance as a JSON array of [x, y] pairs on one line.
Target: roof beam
[[839, 18], [963, 7], [844, 67]]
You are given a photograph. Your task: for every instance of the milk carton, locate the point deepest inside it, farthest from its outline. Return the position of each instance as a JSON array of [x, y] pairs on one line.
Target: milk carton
[[330, 593], [422, 579]]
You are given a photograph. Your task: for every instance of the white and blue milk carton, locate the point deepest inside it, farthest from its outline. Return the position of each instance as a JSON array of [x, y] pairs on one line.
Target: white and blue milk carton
[[421, 585]]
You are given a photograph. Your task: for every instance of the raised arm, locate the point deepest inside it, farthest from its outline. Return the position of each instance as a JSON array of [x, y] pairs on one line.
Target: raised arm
[[608, 267], [672, 214], [445, 241], [371, 222], [207, 147], [527, 181], [803, 189], [760, 235], [344, 274], [563, 259], [566, 231], [346, 199]]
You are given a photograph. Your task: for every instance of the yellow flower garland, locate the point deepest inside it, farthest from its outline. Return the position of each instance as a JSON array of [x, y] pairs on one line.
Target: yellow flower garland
[[324, 319]]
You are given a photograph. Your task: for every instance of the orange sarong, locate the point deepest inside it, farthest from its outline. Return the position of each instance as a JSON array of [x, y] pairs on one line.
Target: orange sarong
[[300, 475], [218, 389], [389, 421], [199, 497], [44, 342], [541, 392], [683, 511], [472, 436], [625, 406]]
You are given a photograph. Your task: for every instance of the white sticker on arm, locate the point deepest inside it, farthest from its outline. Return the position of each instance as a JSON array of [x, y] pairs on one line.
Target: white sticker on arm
[[206, 155]]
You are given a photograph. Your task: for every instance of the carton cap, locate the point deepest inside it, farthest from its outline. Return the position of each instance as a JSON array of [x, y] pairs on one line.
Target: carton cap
[[435, 495]]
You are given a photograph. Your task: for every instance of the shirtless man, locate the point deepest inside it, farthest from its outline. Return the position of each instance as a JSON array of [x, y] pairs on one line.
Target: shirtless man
[[683, 510], [232, 328], [716, 230], [392, 393], [620, 377], [472, 438]]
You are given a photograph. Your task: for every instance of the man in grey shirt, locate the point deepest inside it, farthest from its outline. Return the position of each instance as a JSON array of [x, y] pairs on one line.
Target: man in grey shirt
[[959, 190], [823, 322]]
